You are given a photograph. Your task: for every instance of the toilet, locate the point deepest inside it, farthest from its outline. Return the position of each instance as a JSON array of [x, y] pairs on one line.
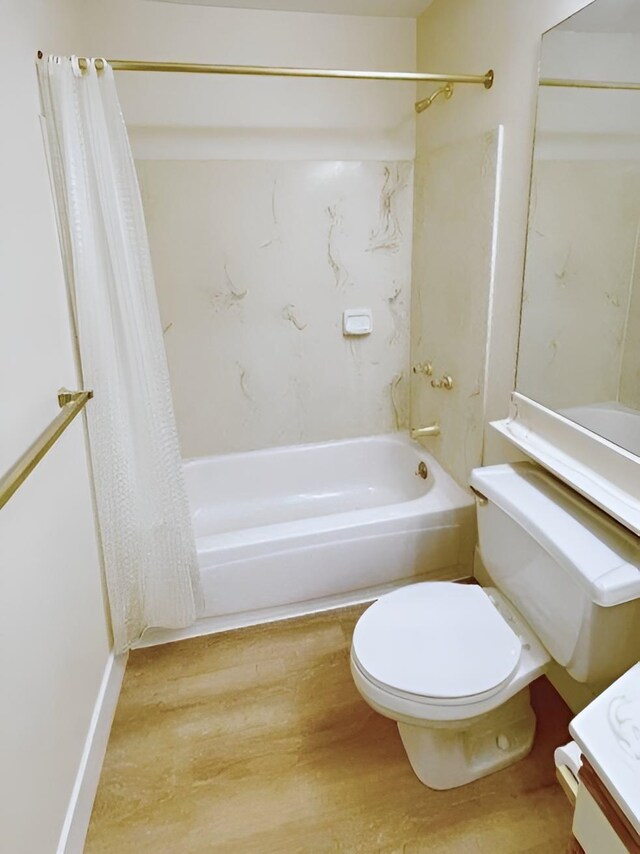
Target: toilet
[[452, 663]]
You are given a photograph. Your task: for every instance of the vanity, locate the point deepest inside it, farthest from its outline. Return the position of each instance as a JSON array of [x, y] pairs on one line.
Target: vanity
[[600, 770], [576, 407]]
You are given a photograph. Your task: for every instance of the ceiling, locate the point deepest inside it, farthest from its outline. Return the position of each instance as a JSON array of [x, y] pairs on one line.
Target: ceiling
[[605, 16], [372, 8]]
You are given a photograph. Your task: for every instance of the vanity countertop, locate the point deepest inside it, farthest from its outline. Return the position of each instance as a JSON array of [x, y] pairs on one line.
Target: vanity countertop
[[608, 732]]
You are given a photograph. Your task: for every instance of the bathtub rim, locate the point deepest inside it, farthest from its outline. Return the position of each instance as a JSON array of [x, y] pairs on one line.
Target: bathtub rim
[[397, 436]]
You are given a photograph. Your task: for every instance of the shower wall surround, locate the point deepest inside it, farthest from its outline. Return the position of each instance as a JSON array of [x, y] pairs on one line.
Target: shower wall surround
[[453, 269], [255, 262], [629, 388]]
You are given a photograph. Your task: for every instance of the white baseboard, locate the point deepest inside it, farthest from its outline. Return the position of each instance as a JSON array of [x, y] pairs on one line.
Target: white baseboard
[[225, 623], [245, 619], [76, 821]]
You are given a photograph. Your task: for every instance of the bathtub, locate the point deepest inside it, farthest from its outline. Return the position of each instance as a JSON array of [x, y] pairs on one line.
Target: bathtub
[[613, 421], [288, 531]]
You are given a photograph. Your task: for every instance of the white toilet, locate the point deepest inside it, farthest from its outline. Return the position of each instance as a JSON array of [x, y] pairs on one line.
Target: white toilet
[[451, 663]]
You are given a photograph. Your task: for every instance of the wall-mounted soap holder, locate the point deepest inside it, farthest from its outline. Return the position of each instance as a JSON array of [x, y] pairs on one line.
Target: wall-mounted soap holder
[[357, 321]]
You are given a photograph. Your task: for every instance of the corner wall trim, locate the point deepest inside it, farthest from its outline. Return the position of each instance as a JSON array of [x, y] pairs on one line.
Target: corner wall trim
[[76, 823]]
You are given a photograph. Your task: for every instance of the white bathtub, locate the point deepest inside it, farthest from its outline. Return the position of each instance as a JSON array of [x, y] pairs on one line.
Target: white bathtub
[[287, 531], [613, 421]]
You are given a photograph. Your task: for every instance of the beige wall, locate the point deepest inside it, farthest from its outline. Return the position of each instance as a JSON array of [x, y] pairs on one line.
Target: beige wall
[[53, 639], [471, 36], [629, 388], [205, 117]]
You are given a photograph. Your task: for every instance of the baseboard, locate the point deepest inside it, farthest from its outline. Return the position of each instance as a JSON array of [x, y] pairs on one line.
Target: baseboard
[[76, 821], [225, 623], [215, 625]]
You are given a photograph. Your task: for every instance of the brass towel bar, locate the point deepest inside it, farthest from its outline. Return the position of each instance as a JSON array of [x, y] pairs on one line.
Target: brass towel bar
[[71, 403]]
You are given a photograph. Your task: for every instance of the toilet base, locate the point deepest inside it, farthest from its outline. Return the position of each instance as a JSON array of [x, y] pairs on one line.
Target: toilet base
[[446, 755]]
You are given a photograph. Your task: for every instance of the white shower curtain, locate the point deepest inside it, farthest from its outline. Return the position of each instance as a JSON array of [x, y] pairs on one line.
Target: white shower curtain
[[143, 516]]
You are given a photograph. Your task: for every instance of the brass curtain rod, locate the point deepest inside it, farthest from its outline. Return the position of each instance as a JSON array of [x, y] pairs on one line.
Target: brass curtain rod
[[71, 403], [275, 71], [561, 82]]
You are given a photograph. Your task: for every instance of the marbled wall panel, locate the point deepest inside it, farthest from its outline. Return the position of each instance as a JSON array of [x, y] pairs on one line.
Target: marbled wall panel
[[582, 237], [629, 389], [452, 275], [254, 264]]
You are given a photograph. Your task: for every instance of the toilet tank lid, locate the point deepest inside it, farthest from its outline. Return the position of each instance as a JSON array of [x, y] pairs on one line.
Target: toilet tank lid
[[602, 555]]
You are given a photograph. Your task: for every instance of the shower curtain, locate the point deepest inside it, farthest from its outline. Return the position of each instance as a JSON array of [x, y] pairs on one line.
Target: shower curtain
[[144, 524]]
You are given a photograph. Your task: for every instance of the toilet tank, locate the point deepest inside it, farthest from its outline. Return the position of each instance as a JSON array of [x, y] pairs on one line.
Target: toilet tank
[[571, 570]]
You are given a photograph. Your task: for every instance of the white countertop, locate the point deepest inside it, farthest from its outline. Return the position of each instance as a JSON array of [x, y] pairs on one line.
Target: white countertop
[[608, 732]]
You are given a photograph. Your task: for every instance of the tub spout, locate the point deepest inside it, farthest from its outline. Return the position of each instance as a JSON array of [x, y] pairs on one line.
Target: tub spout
[[424, 432]]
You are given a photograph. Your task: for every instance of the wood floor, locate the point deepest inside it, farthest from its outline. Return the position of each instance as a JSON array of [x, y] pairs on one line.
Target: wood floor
[[256, 741]]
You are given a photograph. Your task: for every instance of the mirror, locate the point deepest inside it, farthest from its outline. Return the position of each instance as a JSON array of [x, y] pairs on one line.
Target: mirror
[[579, 350]]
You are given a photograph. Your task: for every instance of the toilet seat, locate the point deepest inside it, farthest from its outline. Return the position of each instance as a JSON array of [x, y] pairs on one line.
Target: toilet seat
[[439, 643]]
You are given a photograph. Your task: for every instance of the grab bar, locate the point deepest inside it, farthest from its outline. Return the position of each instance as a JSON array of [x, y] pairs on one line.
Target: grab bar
[[71, 403]]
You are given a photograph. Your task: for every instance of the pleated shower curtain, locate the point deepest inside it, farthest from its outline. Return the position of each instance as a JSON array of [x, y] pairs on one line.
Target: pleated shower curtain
[[144, 523]]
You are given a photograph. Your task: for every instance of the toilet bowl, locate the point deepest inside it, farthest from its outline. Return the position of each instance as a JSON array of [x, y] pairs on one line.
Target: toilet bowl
[[451, 663]]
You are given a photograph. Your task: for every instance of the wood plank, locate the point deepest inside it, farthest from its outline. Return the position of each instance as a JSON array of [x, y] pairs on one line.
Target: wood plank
[[257, 741]]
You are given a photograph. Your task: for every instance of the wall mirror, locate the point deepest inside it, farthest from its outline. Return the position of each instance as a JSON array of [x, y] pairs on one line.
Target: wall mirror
[[579, 352]]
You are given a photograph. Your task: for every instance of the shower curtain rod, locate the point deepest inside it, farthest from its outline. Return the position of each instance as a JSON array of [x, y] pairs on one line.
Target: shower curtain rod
[[585, 84], [275, 71]]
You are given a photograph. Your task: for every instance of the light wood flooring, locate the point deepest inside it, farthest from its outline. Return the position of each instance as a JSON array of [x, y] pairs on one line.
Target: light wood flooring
[[256, 741]]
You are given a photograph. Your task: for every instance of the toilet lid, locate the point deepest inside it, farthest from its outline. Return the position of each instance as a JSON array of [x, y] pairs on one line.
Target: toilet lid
[[437, 639]]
